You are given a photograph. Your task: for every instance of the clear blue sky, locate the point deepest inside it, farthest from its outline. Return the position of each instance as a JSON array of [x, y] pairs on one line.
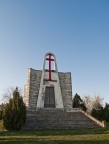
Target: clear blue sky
[[76, 31]]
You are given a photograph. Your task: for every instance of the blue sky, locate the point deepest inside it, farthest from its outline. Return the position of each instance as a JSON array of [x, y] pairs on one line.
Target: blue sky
[[76, 31]]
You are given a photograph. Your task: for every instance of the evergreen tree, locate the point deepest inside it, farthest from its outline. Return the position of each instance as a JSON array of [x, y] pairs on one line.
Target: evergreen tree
[[14, 114], [78, 102], [98, 113], [106, 112], [1, 111]]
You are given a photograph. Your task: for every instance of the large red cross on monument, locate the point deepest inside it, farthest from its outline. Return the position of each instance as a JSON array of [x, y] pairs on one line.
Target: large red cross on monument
[[49, 70]]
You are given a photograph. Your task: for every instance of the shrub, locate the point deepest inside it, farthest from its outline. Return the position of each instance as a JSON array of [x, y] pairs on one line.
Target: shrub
[[14, 114]]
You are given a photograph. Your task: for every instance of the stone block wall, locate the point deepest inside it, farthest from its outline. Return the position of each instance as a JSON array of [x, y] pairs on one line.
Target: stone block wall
[[31, 89], [33, 85], [26, 89], [66, 89]]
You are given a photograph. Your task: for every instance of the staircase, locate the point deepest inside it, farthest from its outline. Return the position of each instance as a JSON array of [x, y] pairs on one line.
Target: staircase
[[60, 119]]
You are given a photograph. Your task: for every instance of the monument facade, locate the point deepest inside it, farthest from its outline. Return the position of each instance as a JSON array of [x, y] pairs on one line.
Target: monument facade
[[48, 88]]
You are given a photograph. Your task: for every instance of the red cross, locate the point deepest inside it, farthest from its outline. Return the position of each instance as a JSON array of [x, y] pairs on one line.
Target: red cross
[[50, 60]]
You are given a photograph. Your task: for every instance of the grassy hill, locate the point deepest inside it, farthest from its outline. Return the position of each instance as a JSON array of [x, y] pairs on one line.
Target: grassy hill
[[80, 136]]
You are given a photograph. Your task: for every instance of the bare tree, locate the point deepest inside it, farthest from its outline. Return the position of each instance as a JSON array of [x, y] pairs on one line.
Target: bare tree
[[88, 103], [8, 93], [97, 102], [92, 102]]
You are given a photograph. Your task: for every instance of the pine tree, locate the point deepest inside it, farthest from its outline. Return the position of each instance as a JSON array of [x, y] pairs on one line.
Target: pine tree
[[14, 115], [78, 102]]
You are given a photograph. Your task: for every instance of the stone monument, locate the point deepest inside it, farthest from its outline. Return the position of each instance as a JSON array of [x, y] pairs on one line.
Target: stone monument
[[48, 98]]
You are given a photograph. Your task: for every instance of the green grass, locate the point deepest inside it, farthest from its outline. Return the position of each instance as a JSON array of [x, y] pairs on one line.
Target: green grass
[[81, 136]]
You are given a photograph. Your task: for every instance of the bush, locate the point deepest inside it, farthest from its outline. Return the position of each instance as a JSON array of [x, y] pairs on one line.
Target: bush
[[14, 114]]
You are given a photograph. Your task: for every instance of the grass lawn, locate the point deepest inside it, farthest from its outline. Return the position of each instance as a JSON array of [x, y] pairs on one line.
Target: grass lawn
[[81, 136]]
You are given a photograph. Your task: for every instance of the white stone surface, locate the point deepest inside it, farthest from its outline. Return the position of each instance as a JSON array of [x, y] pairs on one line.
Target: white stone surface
[[56, 85]]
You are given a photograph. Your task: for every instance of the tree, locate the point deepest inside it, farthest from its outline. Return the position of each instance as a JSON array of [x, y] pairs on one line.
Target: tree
[[88, 102], [14, 114], [98, 113], [92, 103], [97, 108], [8, 94], [97, 102], [106, 112], [1, 110], [101, 113], [78, 102]]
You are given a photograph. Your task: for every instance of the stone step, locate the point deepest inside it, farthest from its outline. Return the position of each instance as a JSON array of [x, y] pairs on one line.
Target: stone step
[[58, 119]]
